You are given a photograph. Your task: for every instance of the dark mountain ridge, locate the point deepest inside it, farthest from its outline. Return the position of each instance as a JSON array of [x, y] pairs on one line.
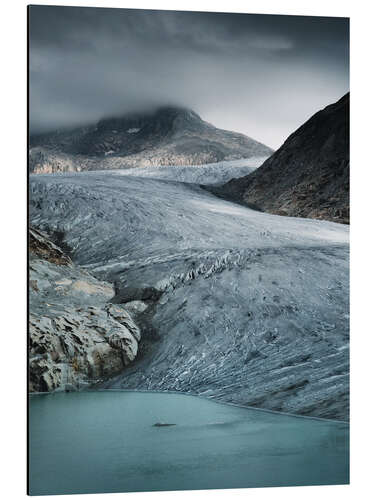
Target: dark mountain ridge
[[168, 136], [308, 176]]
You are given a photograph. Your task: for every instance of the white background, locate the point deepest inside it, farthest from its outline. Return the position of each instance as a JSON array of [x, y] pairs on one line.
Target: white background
[[13, 243]]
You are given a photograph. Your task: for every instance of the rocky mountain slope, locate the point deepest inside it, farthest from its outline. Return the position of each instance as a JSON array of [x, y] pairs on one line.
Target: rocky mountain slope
[[76, 336], [168, 136], [233, 304], [308, 176]]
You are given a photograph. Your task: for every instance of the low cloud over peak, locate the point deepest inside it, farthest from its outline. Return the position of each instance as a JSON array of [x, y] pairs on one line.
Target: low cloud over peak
[[256, 74]]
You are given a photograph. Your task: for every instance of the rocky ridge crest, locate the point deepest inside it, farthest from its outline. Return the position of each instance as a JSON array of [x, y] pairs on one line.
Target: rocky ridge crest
[[308, 176]]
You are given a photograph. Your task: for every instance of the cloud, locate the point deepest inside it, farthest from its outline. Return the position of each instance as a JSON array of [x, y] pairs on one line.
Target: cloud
[[260, 75]]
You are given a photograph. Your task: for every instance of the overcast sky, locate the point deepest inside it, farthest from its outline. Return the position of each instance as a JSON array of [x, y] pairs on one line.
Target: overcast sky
[[256, 74]]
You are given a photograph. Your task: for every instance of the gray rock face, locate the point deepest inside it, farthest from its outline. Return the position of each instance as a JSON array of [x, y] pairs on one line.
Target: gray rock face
[[168, 136], [234, 304], [308, 176], [76, 336]]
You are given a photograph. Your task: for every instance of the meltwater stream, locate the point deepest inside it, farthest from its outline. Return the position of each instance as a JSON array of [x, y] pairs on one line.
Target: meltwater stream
[[98, 442]]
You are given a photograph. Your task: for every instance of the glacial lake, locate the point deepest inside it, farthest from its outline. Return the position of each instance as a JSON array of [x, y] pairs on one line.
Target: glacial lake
[[106, 441]]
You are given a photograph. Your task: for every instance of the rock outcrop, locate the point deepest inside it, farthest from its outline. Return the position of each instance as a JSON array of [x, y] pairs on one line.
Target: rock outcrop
[[168, 136], [308, 176], [76, 336]]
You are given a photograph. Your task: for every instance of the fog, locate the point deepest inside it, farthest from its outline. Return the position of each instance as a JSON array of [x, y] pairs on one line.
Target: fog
[[256, 74]]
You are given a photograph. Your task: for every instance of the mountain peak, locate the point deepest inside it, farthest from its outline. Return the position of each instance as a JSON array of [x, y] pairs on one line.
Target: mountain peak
[[168, 135], [165, 116], [309, 175], [176, 110]]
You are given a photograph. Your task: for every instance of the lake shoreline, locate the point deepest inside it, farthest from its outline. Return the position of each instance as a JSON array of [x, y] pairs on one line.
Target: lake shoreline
[[145, 391]]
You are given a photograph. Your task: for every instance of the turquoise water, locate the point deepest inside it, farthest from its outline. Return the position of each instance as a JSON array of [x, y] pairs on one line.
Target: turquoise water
[[97, 442]]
